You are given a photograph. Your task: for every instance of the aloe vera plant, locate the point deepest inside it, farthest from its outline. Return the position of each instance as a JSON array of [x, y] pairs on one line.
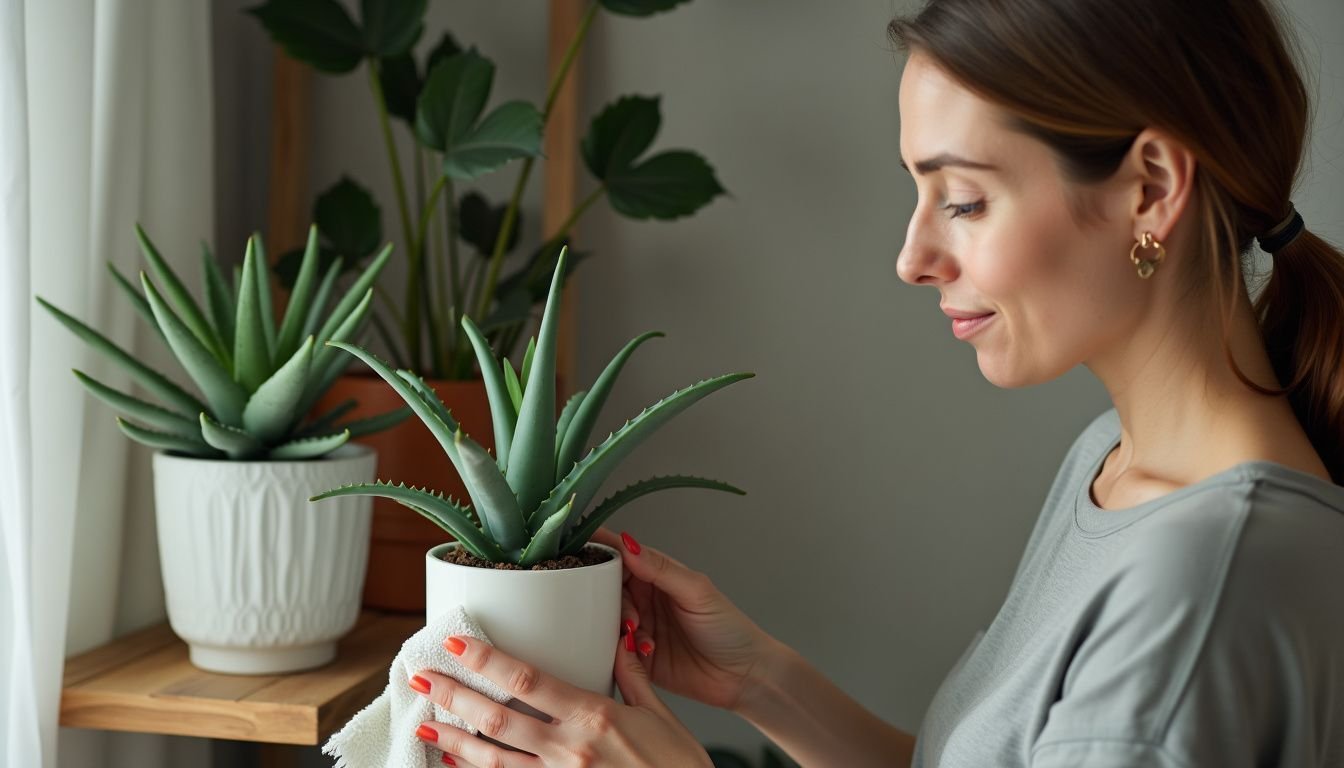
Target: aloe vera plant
[[257, 379], [530, 502]]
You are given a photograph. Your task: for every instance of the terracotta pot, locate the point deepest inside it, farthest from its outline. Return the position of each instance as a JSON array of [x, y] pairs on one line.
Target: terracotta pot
[[408, 453]]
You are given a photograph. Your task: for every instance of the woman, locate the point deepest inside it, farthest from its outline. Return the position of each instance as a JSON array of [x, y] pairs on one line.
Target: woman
[[1091, 175]]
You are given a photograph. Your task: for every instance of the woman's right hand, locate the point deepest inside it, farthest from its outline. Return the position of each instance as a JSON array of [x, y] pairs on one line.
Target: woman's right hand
[[692, 640]]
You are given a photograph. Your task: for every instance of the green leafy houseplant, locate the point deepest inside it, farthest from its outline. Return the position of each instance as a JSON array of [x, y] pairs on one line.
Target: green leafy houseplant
[[530, 500], [441, 101], [258, 380]]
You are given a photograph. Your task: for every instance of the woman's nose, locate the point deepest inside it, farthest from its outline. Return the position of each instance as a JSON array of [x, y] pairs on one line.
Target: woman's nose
[[923, 260]]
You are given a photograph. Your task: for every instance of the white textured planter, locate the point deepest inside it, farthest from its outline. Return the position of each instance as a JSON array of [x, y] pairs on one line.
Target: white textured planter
[[565, 622], [258, 579]]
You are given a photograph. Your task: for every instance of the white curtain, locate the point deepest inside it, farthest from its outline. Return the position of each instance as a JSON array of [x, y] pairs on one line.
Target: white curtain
[[105, 121]]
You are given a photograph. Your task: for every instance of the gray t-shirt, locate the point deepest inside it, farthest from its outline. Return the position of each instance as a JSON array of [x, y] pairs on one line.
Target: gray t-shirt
[[1201, 628]]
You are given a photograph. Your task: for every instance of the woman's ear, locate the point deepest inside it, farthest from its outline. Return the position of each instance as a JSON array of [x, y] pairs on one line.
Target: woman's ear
[[1164, 170]]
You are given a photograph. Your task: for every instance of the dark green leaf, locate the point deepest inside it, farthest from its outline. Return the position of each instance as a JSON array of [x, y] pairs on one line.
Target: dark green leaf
[[511, 131], [622, 132], [453, 98], [349, 220], [666, 186], [722, 758], [447, 47], [640, 7], [286, 268], [317, 32], [479, 222], [400, 81], [391, 27]]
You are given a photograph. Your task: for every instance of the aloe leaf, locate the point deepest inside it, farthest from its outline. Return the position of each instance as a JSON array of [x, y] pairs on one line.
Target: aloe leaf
[[273, 407], [226, 398], [527, 361], [231, 440], [296, 312], [168, 442], [137, 299], [562, 428], [449, 516], [323, 421], [428, 413], [372, 424], [353, 297], [589, 474], [262, 274], [218, 299], [495, 504], [190, 311], [594, 519], [430, 397], [437, 520], [309, 447], [581, 428], [503, 412], [251, 355], [545, 543], [150, 379], [512, 386], [531, 469], [173, 423], [329, 363], [319, 302]]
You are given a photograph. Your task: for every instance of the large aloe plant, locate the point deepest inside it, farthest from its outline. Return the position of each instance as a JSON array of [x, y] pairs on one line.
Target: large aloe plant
[[531, 501], [257, 380]]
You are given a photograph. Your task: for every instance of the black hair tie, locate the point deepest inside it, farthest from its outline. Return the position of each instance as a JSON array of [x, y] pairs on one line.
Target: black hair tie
[[1284, 233]]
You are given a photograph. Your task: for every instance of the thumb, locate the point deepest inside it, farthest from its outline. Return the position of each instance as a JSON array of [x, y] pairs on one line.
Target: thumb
[[633, 679], [687, 587]]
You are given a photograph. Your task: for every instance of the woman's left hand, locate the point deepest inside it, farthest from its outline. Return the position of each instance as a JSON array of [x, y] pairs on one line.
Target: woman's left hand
[[585, 729]]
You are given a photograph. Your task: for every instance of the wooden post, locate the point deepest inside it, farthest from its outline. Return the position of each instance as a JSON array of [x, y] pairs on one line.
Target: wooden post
[[560, 167], [286, 206]]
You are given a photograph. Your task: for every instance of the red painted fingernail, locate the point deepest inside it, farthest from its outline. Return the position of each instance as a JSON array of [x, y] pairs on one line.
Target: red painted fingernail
[[448, 759], [425, 733], [629, 626], [629, 642], [455, 645], [646, 648], [630, 543], [420, 684]]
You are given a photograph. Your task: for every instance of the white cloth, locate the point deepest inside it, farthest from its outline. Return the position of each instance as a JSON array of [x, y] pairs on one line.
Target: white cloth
[[382, 735]]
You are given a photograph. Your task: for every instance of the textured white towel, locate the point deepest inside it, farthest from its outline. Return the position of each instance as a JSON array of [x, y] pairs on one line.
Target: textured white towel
[[382, 735]]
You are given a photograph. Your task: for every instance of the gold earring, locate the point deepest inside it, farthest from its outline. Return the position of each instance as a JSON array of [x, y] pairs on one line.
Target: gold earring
[[1146, 267]]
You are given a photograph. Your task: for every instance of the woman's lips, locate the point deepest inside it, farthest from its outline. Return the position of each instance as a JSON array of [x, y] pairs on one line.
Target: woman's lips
[[964, 328]]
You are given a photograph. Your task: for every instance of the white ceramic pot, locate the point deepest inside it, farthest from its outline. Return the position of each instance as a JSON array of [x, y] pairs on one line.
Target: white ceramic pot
[[565, 622], [258, 579]]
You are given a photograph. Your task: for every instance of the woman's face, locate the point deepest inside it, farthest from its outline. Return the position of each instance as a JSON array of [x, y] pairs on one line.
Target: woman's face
[[1001, 239]]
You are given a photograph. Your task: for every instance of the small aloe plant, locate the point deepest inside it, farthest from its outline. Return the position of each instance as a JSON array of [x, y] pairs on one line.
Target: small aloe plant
[[530, 499], [258, 381]]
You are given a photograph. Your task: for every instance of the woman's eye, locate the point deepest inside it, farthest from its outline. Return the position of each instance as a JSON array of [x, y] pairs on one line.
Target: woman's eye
[[964, 209]]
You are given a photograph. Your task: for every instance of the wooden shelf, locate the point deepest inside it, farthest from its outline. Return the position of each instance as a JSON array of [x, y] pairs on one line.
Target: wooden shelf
[[144, 683]]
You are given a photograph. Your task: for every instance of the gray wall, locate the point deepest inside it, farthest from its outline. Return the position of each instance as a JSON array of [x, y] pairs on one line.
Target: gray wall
[[891, 488]]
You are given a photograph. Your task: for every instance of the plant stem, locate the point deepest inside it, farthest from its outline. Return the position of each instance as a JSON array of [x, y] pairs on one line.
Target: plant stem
[[412, 325], [511, 215], [422, 229]]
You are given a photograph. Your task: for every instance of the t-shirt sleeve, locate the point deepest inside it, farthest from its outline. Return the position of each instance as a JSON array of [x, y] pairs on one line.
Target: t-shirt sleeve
[[1205, 650]]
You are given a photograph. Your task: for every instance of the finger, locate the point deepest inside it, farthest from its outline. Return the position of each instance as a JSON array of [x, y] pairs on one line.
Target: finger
[[633, 679], [463, 748], [689, 588], [644, 644], [520, 680], [489, 717], [629, 614]]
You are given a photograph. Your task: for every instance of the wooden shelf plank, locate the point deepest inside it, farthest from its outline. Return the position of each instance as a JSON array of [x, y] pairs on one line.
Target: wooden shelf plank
[[145, 683]]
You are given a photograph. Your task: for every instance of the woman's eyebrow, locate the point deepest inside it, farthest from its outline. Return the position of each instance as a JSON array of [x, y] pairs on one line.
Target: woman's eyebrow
[[946, 158]]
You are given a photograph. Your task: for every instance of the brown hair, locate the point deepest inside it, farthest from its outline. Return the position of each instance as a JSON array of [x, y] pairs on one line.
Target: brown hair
[[1086, 76]]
